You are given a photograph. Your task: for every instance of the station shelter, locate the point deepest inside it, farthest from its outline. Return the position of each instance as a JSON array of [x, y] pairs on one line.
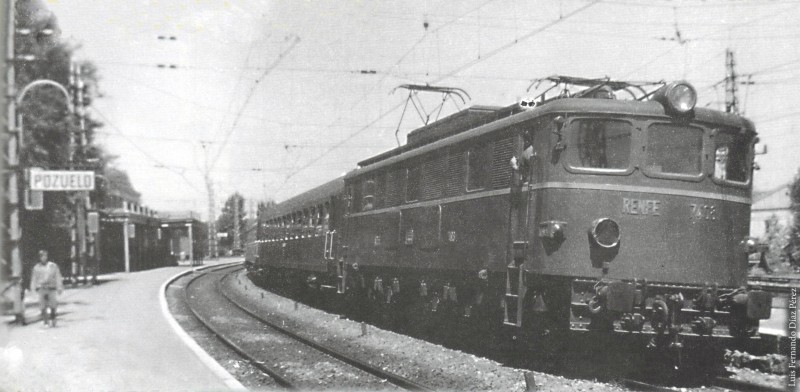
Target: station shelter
[[131, 239], [186, 236]]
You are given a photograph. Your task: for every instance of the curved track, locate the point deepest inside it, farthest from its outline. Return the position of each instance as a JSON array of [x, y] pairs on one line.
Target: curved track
[[295, 360]]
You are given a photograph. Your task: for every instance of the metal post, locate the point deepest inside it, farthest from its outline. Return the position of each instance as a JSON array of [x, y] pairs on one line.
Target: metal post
[[126, 245], [14, 231], [82, 199], [212, 227], [191, 243], [731, 99], [4, 99], [236, 240]]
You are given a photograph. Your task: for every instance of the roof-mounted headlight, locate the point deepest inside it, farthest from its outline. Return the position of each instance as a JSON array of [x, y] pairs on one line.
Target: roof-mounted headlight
[[678, 97]]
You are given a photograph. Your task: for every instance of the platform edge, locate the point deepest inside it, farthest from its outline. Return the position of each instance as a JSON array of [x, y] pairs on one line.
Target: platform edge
[[230, 381]]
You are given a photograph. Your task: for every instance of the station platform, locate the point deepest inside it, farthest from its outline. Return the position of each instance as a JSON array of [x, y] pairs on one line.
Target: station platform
[[112, 336]]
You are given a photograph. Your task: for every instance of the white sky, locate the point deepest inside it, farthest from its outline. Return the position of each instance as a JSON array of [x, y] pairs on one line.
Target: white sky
[[306, 118]]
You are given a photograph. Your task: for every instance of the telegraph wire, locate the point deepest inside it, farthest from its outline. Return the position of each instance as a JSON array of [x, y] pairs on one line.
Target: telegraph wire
[[141, 150], [235, 90], [250, 94], [442, 77], [281, 145], [524, 37]]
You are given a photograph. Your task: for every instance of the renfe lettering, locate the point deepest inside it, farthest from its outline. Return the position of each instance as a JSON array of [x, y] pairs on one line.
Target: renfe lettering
[[641, 207]]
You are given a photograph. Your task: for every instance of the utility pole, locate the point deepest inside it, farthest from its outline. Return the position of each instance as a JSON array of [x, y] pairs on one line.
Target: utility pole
[[731, 101], [82, 198], [212, 224], [12, 165], [236, 241]]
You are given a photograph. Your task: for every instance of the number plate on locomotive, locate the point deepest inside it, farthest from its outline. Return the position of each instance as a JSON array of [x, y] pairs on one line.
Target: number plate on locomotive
[[703, 211]]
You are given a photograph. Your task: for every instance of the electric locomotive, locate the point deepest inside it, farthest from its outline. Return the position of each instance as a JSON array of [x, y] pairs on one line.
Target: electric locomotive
[[574, 211]]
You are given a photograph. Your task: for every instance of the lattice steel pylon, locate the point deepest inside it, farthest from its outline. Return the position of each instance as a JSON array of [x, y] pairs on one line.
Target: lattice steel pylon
[[731, 100]]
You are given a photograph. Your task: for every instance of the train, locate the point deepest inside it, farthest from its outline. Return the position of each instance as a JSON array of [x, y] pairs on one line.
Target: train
[[596, 207]]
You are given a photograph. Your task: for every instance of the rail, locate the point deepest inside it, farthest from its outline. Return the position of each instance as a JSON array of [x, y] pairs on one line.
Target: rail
[[282, 381], [376, 371]]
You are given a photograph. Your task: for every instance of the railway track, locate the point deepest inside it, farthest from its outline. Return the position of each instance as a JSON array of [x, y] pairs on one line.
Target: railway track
[[718, 383], [295, 362], [778, 284]]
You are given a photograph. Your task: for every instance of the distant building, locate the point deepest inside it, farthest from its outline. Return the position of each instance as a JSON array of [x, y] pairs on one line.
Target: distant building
[[186, 235], [766, 204]]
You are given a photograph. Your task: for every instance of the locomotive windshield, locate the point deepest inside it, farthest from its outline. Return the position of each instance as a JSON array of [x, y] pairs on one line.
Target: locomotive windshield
[[602, 144], [674, 149]]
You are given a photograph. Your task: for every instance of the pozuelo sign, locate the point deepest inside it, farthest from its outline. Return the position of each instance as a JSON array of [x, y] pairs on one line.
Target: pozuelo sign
[[61, 180]]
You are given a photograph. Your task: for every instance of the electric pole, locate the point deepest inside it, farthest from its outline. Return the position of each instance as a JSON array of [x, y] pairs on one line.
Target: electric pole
[[212, 224], [12, 235], [236, 241], [731, 101]]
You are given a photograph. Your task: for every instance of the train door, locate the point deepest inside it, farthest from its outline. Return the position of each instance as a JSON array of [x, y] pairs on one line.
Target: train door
[[518, 222]]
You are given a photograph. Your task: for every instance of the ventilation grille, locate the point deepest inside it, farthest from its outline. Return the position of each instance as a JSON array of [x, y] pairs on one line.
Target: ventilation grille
[[394, 187], [434, 176], [455, 174], [501, 167]]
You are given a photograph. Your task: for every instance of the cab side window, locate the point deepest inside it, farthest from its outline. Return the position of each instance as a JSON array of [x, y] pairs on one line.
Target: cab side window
[[730, 157]]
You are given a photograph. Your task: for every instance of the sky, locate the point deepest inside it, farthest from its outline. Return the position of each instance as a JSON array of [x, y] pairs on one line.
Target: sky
[[271, 98]]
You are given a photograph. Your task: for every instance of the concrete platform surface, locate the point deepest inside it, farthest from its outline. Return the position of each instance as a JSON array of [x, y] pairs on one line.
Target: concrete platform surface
[[110, 337]]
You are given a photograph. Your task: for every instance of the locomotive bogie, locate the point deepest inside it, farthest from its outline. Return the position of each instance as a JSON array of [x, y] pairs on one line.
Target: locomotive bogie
[[666, 310]]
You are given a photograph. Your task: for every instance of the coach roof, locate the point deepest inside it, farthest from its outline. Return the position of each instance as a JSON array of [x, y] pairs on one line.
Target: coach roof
[[313, 197]]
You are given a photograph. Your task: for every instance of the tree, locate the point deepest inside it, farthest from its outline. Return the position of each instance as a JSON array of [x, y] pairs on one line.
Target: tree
[[776, 238], [47, 125], [792, 249], [225, 222]]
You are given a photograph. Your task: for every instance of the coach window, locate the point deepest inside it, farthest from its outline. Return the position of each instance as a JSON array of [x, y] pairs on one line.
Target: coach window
[[318, 220], [674, 151], [326, 216], [479, 162], [368, 195], [731, 157], [600, 144], [412, 183]]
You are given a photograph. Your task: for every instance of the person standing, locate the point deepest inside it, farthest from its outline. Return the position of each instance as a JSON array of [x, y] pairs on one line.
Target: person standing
[[46, 281]]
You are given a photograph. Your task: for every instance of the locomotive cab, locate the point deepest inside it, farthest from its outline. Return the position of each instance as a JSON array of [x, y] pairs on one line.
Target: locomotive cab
[[643, 207]]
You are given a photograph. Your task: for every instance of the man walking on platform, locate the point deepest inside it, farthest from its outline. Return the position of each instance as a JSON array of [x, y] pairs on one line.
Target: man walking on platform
[[46, 280]]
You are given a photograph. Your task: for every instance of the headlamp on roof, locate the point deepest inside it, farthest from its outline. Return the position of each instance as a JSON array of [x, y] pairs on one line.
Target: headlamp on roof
[[677, 97]]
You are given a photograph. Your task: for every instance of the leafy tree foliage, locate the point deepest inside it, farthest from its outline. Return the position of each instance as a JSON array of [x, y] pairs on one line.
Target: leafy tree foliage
[[226, 220], [792, 249], [47, 123]]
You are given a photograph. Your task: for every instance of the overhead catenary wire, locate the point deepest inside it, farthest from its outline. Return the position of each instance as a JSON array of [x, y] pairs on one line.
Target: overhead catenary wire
[[488, 55], [281, 56], [140, 149]]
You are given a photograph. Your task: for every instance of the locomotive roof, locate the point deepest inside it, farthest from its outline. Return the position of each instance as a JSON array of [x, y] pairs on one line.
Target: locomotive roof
[[458, 122], [586, 106], [313, 197]]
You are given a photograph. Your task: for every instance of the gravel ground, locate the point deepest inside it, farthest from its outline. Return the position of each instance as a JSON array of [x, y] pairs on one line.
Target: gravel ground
[[251, 377], [430, 364], [756, 377]]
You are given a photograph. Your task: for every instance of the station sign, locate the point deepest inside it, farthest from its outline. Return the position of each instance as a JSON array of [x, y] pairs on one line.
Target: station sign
[[61, 180]]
